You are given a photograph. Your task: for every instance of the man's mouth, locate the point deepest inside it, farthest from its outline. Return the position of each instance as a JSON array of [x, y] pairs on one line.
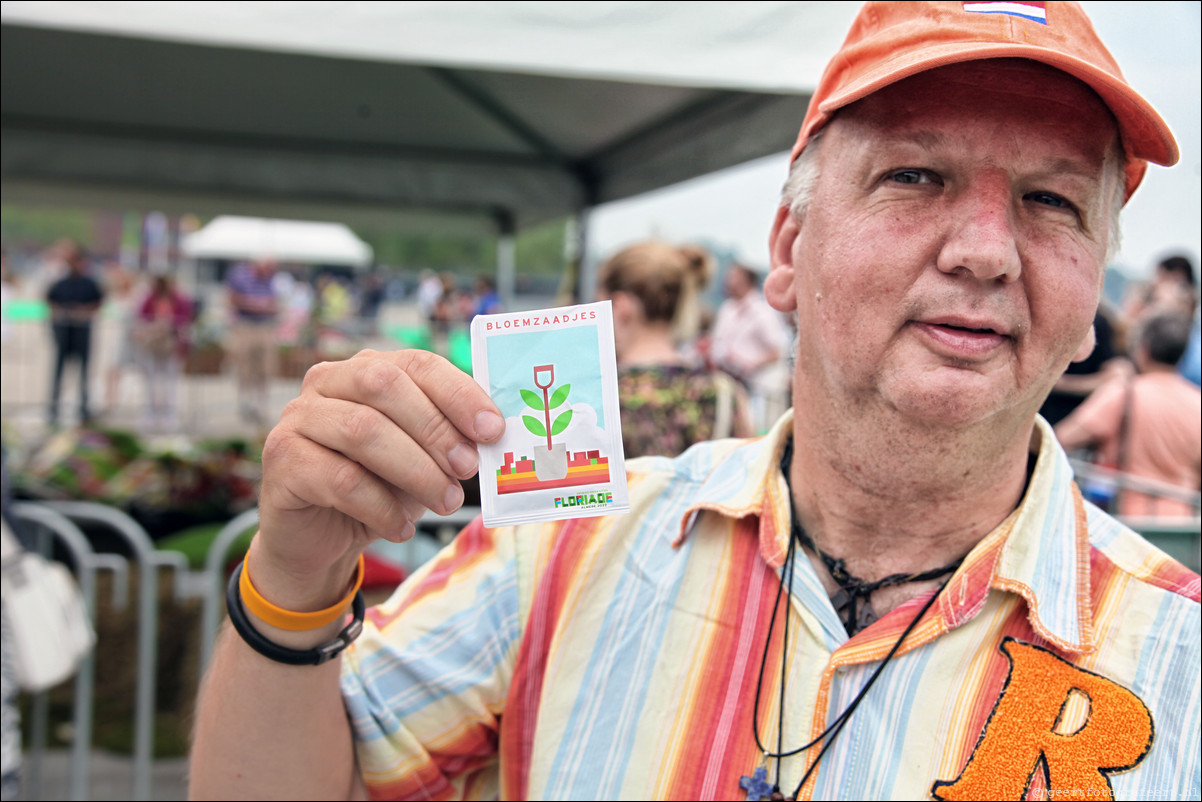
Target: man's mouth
[[962, 338], [975, 329]]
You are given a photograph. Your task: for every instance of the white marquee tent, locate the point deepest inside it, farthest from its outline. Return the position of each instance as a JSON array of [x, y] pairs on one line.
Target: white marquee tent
[[422, 114], [233, 237]]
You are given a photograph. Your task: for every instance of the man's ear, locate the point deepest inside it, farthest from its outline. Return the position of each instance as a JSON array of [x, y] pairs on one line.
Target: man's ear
[[778, 284], [1087, 345]]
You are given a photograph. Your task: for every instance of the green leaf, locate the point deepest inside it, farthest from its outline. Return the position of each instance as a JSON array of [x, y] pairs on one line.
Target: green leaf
[[559, 396], [561, 423], [532, 399], [535, 425]]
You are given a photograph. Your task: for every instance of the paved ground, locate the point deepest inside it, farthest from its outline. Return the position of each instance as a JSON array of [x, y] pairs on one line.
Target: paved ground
[[111, 778]]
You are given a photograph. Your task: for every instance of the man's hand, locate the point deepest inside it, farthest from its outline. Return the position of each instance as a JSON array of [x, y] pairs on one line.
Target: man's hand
[[370, 444]]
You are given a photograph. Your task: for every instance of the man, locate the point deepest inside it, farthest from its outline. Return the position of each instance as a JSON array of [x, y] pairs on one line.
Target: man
[[1149, 425], [751, 342], [74, 301], [974, 631], [252, 341]]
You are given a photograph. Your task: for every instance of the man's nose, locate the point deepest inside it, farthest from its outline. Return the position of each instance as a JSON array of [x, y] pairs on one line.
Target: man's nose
[[982, 234]]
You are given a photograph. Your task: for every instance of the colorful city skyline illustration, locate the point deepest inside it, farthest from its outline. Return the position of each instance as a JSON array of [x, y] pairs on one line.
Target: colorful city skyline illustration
[[583, 468]]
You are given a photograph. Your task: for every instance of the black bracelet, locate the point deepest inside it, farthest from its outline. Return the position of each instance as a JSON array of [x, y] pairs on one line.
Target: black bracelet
[[281, 654]]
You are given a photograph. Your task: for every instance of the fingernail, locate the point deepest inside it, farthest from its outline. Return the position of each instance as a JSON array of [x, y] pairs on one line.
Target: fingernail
[[463, 459], [407, 531], [489, 426], [453, 498]]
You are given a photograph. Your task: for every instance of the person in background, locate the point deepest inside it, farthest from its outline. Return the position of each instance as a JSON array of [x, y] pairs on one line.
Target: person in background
[[488, 302], [10, 713], [1190, 366], [252, 342], [1149, 425], [1105, 363], [667, 403], [8, 294], [120, 287], [371, 299], [1173, 286], [74, 300], [429, 292], [750, 341], [164, 322]]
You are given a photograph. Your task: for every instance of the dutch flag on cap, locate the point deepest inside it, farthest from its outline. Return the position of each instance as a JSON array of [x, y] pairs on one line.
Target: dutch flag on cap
[[1036, 12]]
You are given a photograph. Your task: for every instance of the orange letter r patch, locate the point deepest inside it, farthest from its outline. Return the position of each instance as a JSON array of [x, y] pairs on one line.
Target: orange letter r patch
[[1023, 733]]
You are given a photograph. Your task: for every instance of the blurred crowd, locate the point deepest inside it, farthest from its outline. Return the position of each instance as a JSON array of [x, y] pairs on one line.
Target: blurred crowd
[[690, 368], [1133, 405], [445, 304], [259, 309]]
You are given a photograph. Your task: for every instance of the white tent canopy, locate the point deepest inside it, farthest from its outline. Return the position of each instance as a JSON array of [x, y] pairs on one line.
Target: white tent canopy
[[246, 238], [501, 113]]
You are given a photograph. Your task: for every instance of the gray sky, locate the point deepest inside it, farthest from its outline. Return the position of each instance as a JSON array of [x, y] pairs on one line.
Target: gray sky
[[1158, 46]]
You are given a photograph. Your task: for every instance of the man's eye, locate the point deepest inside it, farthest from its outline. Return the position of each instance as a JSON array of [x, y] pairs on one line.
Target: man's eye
[[1048, 199], [912, 176]]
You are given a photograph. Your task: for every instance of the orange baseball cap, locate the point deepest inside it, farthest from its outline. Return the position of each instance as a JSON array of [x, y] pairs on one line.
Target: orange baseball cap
[[890, 41]]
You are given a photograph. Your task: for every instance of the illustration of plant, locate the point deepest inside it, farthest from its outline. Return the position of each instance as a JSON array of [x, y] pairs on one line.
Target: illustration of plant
[[544, 377]]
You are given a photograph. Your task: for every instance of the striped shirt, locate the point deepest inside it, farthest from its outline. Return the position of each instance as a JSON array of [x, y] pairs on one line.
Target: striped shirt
[[246, 281], [618, 658]]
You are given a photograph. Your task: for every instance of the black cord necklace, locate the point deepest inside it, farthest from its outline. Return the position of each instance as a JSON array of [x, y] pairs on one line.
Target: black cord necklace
[[797, 537], [853, 602]]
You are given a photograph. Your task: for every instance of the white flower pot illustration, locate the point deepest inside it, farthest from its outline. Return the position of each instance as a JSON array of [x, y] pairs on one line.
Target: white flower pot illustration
[[551, 463]]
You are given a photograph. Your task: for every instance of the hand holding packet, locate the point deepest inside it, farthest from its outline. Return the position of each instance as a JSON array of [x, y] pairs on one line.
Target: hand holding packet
[[553, 373]]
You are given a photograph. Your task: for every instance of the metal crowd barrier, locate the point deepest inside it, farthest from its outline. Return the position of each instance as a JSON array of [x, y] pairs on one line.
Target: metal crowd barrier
[[44, 524], [51, 514], [1180, 536], [62, 520], [214, 585]]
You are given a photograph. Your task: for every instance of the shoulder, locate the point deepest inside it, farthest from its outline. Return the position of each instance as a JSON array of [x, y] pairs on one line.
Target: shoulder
[[698, 465], [1168, 388], [1146, 616], [1120, 554]]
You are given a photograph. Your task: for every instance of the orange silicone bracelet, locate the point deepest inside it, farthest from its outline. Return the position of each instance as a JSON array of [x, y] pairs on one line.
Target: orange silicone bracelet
[[287, 619]]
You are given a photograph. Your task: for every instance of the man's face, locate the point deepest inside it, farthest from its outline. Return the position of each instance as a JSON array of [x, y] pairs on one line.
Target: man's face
[[951, 258], [736, 283]]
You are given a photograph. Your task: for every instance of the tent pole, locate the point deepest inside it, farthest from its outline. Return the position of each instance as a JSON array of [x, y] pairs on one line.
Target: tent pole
[[577, 245], [506, 260]]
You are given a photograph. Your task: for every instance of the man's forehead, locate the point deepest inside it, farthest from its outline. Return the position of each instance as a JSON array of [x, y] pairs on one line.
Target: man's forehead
[[1047, 104]]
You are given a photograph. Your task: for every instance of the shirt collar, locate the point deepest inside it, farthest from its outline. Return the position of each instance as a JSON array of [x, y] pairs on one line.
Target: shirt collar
[[1040, 552], [748, 481]]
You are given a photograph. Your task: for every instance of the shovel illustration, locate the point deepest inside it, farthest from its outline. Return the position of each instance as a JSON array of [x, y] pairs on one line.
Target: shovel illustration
[[549, 372], [550, 463]]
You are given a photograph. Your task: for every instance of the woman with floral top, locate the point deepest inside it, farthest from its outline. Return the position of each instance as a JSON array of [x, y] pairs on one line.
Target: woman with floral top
[[668, 402]]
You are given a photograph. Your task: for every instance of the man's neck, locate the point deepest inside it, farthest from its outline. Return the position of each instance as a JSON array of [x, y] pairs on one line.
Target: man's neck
[[904, 499]]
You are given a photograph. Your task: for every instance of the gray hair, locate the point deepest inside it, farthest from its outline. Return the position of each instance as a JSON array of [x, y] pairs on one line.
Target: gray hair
[[798, 190]]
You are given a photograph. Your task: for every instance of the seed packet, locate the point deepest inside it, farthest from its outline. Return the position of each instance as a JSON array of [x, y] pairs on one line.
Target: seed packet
[[553, 373]]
